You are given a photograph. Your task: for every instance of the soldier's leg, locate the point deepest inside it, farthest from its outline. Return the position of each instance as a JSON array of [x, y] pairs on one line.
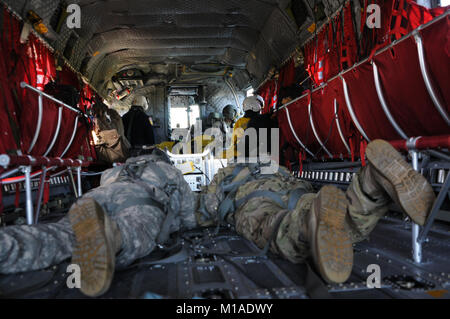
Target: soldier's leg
[[324, 224], [134, 223], [257, 220], [109, 221], [408, 188], [317, 228], [366, 204], [27, 248], [131, 230], [386, 178]]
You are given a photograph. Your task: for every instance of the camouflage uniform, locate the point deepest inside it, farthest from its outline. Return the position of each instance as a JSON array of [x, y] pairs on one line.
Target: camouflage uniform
[[25, 248], [258, 218]]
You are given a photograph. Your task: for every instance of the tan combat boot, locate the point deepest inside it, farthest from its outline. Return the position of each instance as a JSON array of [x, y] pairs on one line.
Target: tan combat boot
[[392, 174], [97, 240], [328, 234]]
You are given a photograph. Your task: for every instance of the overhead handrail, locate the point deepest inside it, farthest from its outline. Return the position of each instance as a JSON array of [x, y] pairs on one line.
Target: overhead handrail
[[32, 88]]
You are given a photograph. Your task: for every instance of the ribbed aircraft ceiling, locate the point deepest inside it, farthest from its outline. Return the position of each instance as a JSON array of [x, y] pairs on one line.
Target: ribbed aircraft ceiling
[[247, 36]]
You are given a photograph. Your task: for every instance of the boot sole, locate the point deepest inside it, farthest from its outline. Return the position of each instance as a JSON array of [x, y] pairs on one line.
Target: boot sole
[[414, 194], [92, 250], [333, 246]]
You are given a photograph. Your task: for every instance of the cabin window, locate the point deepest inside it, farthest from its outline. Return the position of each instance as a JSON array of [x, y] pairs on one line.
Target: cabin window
[[184, 116]]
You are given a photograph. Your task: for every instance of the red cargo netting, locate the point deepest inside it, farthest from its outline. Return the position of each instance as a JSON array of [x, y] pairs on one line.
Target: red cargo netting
[[383, 97], [32, 62]]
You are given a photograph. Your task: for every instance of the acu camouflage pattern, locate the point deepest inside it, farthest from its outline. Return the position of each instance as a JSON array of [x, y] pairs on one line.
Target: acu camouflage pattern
[[257, 219], [291, 240], [26, 248], [138, 219], [364, 211], [212, 195]]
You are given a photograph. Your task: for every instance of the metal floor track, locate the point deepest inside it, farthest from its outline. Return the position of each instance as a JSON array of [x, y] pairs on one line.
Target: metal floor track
[[206, 264]]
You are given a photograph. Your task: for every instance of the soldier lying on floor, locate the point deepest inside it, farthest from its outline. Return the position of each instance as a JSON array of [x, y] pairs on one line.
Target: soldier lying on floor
[[139, 204]]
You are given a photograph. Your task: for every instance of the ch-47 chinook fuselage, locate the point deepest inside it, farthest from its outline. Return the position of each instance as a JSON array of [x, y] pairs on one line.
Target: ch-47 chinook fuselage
[[334, 75]]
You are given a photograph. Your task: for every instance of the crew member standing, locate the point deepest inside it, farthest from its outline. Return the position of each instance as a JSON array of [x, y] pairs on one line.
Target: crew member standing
[[138, 129]]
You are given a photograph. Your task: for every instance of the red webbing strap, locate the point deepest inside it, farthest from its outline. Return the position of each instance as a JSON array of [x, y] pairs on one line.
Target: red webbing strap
[[308, 58], [346, 29], [301, 158], [374, 50], [352, 147], [397, 16], [345, 60], [362, 151]]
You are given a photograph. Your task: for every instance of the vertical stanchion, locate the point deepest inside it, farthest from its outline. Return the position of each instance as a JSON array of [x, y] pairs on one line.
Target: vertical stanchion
[[40, 193], [72, 181], [29, 200], [417, 246], [211, 167], [80, 190]]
